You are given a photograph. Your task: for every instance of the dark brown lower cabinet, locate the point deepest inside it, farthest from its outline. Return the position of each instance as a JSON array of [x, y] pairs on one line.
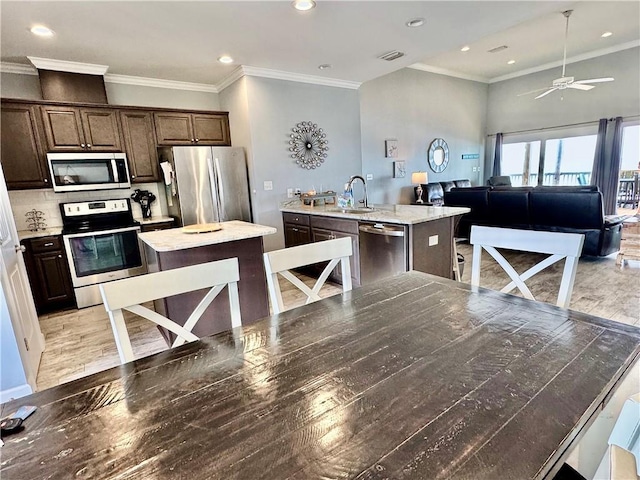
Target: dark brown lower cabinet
[[49, 274]]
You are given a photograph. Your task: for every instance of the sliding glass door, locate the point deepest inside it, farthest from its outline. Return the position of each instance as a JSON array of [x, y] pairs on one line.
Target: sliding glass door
[[569, 161]]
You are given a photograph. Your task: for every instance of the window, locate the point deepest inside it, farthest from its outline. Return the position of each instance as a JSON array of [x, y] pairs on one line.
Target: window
[[569, 161], [630, 148], [561, 161], [520, 162]]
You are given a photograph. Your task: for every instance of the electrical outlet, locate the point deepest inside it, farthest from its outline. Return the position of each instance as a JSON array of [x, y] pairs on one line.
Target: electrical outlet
[[433, 240], [289, 192], [297, 191], [369, 176], [268, 185]]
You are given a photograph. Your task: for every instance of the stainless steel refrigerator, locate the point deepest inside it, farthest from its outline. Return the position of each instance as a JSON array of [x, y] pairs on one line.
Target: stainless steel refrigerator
[[210, 184]]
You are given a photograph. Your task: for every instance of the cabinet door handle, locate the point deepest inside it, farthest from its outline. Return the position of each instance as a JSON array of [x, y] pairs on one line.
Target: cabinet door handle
[[294, 229], [83, 145], [59, 256], [197, 140], [50, 244], [88, 145], [46, 180], [133, 176]]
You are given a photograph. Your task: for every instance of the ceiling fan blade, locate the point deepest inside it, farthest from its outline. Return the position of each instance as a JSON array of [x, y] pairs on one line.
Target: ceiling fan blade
[[546, 93], [580, 86], [596, 80], [533, 91]]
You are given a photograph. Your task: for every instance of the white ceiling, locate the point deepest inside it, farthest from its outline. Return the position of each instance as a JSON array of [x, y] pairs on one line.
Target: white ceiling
[[181, 41]]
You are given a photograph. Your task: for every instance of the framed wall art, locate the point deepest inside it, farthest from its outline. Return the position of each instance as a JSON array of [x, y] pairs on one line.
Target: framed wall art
[[399, 169], [391, 148]]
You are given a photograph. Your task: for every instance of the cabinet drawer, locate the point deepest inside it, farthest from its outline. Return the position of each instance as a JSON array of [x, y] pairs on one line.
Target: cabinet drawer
[[45, 244], [335, 224], [152, 227], [296, 218]]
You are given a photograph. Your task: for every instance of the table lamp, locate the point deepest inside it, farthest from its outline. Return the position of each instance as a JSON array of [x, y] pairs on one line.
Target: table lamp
[[419, 178]]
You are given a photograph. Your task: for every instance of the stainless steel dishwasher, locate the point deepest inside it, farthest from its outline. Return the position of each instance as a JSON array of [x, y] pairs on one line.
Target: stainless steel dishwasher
[[383, 251]]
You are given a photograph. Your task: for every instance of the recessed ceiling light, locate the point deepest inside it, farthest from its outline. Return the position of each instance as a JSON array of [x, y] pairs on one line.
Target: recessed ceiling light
[[324, 66], [303, 5], [225, 59], [466, 48], [415, 22], [41, 31], [511, 62], [606, 34]]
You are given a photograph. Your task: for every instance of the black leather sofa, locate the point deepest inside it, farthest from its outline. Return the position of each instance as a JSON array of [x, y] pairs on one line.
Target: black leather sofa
[[555, 209], [433, 193]]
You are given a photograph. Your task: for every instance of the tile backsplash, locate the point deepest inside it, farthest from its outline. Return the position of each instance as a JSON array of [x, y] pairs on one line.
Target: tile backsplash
[[47, 201]]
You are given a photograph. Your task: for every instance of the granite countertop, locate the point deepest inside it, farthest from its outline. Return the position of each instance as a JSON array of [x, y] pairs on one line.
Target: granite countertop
[[401, 214], [24, 234], [175, 239], [154, 219]]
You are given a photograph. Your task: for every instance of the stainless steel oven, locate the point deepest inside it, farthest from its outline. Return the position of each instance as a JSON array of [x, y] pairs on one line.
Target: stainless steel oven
[[102, 244]]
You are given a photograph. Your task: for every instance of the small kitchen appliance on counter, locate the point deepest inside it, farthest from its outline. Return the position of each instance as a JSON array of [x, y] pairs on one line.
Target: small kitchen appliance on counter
[[145, 198]]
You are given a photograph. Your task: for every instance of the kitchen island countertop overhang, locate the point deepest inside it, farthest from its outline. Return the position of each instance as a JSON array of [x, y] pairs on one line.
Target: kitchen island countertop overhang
[[400, 214], [176, 239]]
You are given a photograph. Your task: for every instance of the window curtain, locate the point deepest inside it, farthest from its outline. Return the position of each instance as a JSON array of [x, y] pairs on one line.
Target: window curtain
[[606, 162], [497, 157]]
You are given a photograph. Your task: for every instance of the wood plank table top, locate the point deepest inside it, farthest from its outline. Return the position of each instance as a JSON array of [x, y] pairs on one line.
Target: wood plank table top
[[412, 377]]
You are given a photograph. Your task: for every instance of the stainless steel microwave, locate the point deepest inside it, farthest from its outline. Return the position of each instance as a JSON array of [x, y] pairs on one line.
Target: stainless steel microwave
[[71, 172]]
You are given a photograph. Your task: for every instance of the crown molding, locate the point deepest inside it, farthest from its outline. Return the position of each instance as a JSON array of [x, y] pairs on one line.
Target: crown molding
[[449, 73], [65, 66], [237, 74], [17, 68], [577, 58], [159, 83], [292, 77]]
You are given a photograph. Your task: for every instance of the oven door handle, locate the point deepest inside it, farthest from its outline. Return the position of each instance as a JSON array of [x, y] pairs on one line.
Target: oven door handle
[[100, 232]]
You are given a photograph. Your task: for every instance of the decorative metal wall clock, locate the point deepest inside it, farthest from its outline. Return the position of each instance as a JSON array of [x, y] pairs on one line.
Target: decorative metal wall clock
[[308, 145], [438, 155]]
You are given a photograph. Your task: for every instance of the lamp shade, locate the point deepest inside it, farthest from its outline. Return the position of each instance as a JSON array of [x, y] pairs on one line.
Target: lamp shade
[[419, 177]]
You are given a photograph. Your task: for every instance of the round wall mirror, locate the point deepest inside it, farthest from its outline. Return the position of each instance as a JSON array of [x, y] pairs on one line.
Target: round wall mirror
[[438, 155]]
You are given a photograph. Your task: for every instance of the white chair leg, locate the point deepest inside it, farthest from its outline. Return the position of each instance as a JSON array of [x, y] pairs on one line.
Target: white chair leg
[[121, 336]]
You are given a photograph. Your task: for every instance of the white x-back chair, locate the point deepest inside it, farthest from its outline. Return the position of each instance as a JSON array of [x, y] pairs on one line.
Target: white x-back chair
[[281, 261], [129, 293], [556, 244]]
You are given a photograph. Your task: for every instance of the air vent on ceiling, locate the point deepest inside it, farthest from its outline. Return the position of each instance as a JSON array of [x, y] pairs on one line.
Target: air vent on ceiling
[[389, 56], [498, 49]]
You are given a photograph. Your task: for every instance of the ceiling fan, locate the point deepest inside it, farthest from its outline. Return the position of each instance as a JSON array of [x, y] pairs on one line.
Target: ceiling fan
[[564, 82]]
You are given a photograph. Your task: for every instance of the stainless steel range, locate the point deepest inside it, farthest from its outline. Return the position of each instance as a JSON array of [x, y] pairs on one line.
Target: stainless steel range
[[101, 241]]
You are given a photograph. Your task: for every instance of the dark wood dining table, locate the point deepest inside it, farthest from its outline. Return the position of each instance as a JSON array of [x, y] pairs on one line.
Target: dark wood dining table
[[415, 376]]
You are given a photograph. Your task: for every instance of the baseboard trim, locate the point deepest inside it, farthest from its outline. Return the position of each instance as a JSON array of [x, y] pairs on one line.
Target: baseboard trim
[[15, 392]]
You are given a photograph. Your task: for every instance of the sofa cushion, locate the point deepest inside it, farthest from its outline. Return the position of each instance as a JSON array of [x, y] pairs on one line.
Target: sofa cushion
[[576, 210], [464, 183], [447, 186], [509, 207]]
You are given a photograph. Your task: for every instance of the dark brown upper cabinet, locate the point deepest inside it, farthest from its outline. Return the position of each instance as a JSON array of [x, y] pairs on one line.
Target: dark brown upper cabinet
[[140, 145], [71, 129], [22, 156], [176, 128]]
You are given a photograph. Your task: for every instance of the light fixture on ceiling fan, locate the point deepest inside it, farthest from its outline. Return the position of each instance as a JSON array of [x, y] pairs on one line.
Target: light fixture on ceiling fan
[[564, 82]]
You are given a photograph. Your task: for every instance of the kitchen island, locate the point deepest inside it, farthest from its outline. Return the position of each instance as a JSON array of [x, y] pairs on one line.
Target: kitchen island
[[427, 232], [173, 248]]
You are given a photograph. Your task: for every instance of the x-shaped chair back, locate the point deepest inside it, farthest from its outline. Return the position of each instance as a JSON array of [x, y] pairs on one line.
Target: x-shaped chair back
[[281, 261], [129, 293], [557, 245]]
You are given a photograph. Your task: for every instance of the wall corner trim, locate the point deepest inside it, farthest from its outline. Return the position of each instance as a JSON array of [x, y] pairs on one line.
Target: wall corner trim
[[449, 73]]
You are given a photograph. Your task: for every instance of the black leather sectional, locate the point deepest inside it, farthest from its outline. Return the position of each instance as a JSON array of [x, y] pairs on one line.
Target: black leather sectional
[[433, 193], [555, 209]]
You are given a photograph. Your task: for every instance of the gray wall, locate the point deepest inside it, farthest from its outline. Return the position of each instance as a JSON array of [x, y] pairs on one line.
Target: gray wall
[[274, 107], [415, 107], [28, 87]]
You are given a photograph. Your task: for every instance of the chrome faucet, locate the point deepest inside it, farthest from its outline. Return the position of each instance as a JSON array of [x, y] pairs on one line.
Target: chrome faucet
[[364, 184]]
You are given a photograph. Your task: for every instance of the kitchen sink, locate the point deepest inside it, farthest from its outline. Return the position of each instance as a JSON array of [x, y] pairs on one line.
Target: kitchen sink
[[352, 210]]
